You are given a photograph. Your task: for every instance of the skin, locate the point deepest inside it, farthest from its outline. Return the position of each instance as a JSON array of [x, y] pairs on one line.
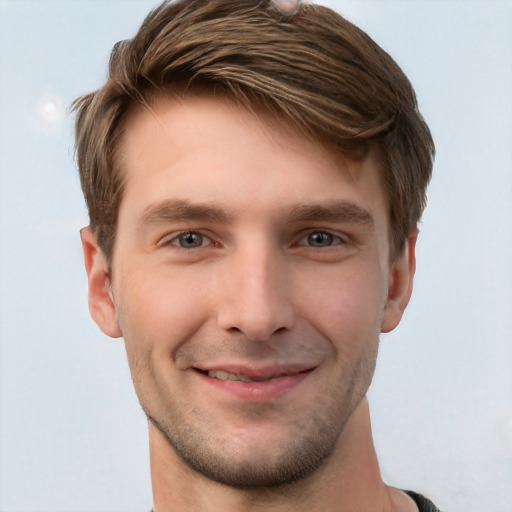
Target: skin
[[286, 7], [243, 247]]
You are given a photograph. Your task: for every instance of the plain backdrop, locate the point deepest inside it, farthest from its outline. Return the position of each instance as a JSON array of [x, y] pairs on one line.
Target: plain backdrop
[[73, 438]]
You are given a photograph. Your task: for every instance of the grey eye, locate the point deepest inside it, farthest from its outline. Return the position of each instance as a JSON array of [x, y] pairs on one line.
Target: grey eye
[[190, 240], [320, 239]]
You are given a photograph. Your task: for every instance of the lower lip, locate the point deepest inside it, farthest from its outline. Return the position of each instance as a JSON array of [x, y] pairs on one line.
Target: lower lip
[[256, 391]]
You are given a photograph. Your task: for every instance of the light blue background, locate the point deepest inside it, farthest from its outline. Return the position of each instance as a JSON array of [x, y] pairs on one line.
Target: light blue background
[[72, 436]]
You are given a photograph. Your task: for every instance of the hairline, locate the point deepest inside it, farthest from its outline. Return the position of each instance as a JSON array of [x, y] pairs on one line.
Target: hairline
[[182, 93]]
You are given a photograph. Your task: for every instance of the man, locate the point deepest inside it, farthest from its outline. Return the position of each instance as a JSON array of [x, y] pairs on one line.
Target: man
[[254, 174]]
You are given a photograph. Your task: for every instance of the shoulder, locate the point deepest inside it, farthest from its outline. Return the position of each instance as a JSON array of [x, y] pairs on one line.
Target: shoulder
[[424, 504]]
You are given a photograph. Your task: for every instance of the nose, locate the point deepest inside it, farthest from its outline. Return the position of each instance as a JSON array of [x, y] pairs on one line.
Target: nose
[[256, 296]]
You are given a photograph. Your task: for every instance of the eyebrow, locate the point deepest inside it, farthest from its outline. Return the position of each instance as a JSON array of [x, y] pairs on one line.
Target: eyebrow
[[339, 212], [177, 210], [172, 210]]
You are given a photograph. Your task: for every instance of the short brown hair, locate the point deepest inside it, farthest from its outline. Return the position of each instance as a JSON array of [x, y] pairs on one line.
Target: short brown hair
[[316, 70]]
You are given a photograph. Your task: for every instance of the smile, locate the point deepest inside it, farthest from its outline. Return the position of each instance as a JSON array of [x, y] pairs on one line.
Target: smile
[[222, 375], [263, 384]]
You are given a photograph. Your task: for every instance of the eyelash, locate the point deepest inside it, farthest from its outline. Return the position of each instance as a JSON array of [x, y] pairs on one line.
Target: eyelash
[[175, 239], [334, 240]]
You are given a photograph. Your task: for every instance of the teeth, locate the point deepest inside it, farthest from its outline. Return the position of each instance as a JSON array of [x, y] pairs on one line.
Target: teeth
[[222, 375], [228, 376]]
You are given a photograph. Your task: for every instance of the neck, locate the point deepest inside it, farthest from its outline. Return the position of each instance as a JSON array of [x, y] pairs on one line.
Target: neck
[[349, 481]]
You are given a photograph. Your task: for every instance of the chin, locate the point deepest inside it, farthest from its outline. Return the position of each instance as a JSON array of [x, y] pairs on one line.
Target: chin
[[255, 458]]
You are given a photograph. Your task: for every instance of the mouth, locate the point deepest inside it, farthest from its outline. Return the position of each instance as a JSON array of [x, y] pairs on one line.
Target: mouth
[[224, 375], [254, 383]]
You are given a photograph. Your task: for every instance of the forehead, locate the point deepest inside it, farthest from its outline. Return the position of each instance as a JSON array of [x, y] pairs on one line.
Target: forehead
[[184, 117], [209, 149]]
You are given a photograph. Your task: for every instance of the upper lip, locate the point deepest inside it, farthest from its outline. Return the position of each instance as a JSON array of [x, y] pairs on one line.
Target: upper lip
[[257, 372]]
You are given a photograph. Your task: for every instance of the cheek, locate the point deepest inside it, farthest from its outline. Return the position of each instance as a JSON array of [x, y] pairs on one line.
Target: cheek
[[348, 310], [158, 309], [157, 314]]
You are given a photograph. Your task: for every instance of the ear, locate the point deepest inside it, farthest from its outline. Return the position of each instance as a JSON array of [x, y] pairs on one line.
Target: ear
[[400, 280], [101, 304]]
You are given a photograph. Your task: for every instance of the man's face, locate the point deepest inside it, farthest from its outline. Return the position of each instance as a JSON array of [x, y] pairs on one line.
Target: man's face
[[250, 281]]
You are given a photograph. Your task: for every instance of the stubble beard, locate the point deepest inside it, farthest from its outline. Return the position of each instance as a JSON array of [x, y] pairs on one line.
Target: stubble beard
[[308, 447], [294, 462]]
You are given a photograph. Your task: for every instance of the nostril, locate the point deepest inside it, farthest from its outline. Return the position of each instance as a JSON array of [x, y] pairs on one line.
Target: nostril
[[258, 312]]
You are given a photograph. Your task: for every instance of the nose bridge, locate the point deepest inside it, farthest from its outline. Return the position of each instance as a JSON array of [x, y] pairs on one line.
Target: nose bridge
[[256, 300]]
